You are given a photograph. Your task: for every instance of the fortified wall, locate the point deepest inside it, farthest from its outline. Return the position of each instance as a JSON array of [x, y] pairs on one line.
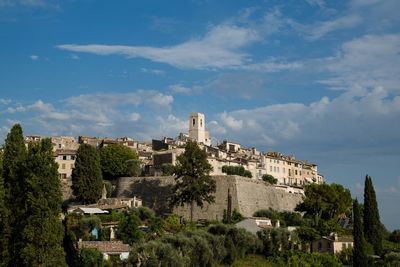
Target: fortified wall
[[248, 196]]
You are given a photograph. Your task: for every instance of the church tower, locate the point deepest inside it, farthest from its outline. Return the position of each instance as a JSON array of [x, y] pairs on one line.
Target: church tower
[[197, 128]]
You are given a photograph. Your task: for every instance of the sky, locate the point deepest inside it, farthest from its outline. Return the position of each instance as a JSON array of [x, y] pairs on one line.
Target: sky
[[317, 79]]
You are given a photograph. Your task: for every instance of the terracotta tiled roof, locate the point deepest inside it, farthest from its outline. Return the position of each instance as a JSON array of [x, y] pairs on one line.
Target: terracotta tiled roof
[[108, 247]]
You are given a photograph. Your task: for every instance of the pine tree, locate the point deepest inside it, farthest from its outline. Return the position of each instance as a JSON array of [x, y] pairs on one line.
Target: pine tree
[[194, 185], [87, 181], [14, 173], [359, 251], [43, 232], [372, 223]]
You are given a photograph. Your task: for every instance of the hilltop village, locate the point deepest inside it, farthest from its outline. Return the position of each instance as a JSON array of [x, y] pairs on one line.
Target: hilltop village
[[177, 201], [291, 174]]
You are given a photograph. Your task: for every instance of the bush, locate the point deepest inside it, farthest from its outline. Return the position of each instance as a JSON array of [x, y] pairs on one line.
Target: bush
[[155, 253], [275, 241], [172, 224], [395, 236], [238, 242], [269, 178], [128, 230], [167, 169], [299, 259], [236, 170], [90, 257]]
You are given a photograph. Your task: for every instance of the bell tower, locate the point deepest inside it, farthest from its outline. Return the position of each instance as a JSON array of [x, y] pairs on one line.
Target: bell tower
[[197, 128]]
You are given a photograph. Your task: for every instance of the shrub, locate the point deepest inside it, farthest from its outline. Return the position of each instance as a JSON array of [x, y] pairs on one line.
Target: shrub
[[90, 257], [155, 253]]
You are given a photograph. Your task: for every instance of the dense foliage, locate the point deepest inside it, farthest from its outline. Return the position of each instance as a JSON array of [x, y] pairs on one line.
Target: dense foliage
[[118, 161], [323, 203], [43, 232], [3, 218], [194, 184], [269, 178], [359, 253], [236, 170], [372, 224], [128, 230], [87, 181], [14, 174]]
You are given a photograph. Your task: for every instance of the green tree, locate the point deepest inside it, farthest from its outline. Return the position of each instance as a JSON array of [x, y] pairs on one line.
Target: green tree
[[128, 228], [372, 224], [395, 236], [359, 252], [3, 219], [118, 161], [236, 170], [193, 185], [167, 169], [270, 179], [43, 232], [91, 257], [324, 203], [14, 160], [87, 181]]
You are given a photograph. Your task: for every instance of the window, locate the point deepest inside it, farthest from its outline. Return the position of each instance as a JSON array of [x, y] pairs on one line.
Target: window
[[201, 122], [72, 165], [73, 157], [194, 122], [64, 157], [274, 169], [295, 172], [277, 169], [63, 166], [270, 168], [283, 170], [343, 245], [300, 172]]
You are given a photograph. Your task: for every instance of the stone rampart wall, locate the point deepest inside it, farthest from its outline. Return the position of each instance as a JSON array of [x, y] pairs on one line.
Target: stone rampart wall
[[248, 196]]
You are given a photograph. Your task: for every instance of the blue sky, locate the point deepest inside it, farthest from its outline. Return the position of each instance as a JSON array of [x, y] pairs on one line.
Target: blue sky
[[317, 79]]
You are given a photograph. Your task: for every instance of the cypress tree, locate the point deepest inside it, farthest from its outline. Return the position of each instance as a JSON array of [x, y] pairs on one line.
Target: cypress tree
[[87, 181], [14, 172], [372, 223], [359, 251], [43, 232], [4, 257]]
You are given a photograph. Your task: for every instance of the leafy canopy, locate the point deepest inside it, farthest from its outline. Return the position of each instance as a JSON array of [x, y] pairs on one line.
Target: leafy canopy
[[118, 161], [325, 202], [193, 182], [87, 181], [269, 178]]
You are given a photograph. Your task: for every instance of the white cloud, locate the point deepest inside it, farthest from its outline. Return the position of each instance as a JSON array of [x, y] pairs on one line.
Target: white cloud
[[34, 57], [103, 114], [134, 116], [369, 61], [5, 101], [178, 88], [357, 119], [219, 48], [231, 122], [153, 71], [320, 29], [319, 3]]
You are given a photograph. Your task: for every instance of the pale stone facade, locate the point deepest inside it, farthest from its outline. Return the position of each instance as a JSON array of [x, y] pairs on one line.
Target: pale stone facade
[[197, 128]]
